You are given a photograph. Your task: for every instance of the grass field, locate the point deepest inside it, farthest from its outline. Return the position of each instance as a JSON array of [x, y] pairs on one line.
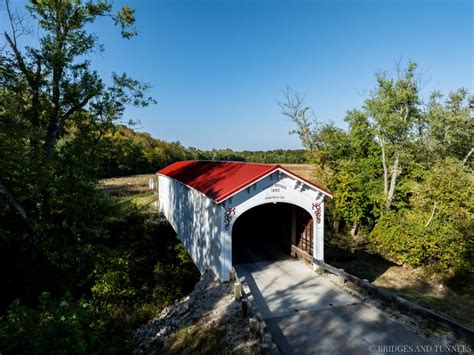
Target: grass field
[[131, 189], [304, 170]]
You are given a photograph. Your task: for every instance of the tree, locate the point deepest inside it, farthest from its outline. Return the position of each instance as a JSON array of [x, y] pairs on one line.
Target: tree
[[294, 107], [54, 112], [50, 95], [402, 172], [356, 178], [324, 142], [450, 126], [393, 109]]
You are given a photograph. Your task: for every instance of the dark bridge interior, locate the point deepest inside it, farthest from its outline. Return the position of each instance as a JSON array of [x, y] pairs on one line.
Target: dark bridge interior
[[266, 232]]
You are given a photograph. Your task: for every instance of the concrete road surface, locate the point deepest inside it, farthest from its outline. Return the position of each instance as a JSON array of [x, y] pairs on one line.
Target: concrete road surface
[[308, 314]]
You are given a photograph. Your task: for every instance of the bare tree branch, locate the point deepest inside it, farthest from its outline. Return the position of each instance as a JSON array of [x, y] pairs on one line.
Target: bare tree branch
[[12, 201], [293, 106], [432, 214], [32, 78], [10, 17], [21, 63], [18, 25], [466, 158]]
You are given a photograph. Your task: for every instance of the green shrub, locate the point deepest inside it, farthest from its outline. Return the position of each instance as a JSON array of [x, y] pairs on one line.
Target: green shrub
[[65, 326], [133, 269], [405, 238], [114, 285], [436, 232]]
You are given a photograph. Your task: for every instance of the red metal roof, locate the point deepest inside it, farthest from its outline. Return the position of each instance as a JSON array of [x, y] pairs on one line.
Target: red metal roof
[[221, 179]]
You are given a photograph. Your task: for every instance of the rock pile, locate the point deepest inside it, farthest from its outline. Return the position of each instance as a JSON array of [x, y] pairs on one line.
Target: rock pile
[[211, 304]]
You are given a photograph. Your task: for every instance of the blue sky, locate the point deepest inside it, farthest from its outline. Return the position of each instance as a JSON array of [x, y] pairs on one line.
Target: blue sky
[[218, 67]]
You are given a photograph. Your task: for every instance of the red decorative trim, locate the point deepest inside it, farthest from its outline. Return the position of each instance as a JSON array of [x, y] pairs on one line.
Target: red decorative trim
[[317, 211], [228, 216]]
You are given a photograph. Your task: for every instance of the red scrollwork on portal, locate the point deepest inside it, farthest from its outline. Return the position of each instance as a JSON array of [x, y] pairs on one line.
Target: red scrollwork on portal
[[317, 211], [228, 216]]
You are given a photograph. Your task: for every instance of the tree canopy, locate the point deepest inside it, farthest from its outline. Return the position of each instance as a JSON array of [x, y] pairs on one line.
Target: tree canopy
[[401, 173], [79, 270]]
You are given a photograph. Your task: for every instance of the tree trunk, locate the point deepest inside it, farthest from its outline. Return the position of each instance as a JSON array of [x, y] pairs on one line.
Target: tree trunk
[[57, 72], [12, 201], [466, 158], [355, 230], [35, 111], [432, 215], [384, 162], [393, 181], [51, 138], [54, 117]]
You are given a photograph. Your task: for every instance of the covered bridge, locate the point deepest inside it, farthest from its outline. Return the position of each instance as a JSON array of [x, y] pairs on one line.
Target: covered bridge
[[228, 213]]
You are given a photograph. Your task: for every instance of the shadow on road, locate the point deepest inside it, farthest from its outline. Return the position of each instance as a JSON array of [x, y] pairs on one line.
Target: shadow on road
[[307, 314]]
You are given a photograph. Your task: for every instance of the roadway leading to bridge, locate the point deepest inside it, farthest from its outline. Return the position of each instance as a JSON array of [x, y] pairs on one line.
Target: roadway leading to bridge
[[308, 314]]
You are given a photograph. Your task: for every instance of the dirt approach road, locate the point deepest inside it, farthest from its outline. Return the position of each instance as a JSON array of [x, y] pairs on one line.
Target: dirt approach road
[[308, 314]]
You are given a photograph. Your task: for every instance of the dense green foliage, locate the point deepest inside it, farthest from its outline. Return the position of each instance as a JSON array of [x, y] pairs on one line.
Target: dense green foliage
[[92, 292], [55, 325], [444, 241], [79, 271], [125, 152], [401, 173]]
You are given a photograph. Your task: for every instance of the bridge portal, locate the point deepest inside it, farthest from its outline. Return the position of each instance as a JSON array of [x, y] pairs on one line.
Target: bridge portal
[[267, 232]]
